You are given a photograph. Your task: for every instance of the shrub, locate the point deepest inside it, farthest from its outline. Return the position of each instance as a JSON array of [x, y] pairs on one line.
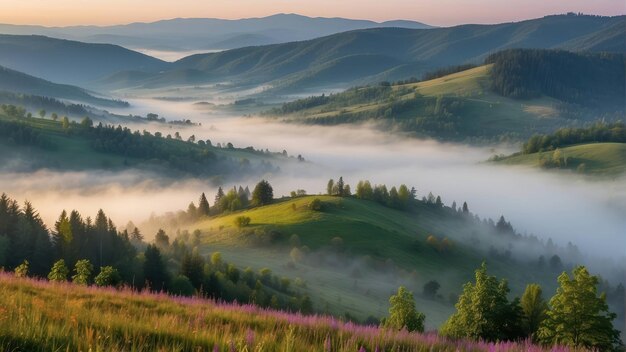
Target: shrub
[[316, 205], [242, 221]]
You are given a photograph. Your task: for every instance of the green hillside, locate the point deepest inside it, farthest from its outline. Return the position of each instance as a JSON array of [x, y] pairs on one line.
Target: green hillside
[[604, 159], [293, 66], [459, 106], [355, 252], [43, 143]]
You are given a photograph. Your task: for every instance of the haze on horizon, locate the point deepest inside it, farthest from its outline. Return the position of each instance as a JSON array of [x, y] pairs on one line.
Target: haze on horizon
[[433, 12]]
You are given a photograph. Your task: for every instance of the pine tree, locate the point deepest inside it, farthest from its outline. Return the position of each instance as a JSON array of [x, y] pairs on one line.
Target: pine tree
[[203, 206], [59, 272], [263, 193]]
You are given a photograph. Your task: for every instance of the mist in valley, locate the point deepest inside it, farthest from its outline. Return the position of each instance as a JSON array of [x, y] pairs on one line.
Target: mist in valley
[[564, 207]]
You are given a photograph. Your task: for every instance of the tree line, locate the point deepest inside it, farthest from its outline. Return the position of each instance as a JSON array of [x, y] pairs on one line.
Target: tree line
[[96, 252], [576, 316], [597, 133]]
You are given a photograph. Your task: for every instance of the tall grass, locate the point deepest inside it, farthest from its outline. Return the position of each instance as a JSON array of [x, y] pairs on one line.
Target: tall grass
[[41, 316]]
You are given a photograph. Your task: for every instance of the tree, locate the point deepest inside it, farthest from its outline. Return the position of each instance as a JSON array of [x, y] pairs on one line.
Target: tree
[[203, 206], [54, 116], [402, 312], [192, 267], [465, 208], [22, 269], [108, 276], [65, 123], [42, 113], [162, 240], [83, 270], [262, 194], [364, 190], [484, 311], [154, 269], [181, 285], [533, 309], [340, 187], [59, 272], [330, 186], [430, 288], [578, 317], [218, 196], [136, 235]]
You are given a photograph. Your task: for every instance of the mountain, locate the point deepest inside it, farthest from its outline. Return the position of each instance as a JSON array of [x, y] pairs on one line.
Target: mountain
[[364, 56], [517, 92], [209, 33], [68, 61], [18, 82]]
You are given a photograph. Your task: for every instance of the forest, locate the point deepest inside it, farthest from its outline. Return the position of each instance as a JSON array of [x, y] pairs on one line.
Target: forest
[[597, 133]]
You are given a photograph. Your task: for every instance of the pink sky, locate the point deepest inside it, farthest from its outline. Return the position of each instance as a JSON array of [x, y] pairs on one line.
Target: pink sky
[[435, 12]]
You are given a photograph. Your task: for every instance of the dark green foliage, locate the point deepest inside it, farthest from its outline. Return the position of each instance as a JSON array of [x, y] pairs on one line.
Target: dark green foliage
[[203, 206], [154, 270], [263, 193], [181, 286], [588, 79], [48, 103], [446, 71], [20, 133], [612, 132], [192, 267]]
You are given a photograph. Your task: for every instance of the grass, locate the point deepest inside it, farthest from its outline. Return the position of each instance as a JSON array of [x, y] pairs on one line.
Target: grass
[[599, 159], [41, 316], [341, 280]]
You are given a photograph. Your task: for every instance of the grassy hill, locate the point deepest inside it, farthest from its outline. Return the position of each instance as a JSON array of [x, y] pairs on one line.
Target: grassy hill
[[70, 62], [296, 66], [517, 93], [602, 159], [458, 106], [37, 143], [40, 316], [355, 252], [18, 82]]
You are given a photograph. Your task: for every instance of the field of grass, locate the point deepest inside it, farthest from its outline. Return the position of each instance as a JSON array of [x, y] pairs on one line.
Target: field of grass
[[477, 112], [599, 159], [40, 316], [342, 279]]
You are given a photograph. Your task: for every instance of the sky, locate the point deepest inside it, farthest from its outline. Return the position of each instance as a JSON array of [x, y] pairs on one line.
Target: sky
[[434, 12]]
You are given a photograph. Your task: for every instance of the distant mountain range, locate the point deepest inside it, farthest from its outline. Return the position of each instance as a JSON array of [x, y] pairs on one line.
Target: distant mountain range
[[183, 34], [364, 56], [338, 60]]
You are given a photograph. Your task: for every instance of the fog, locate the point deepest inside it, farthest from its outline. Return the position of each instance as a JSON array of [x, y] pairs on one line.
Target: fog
[[566, 207]]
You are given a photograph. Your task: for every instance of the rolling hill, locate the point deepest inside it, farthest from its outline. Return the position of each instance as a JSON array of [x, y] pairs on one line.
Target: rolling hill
[[70, 62], [352, 253], [183, 34], [599, 159], [18, 82], [308, 64], [518, 92]]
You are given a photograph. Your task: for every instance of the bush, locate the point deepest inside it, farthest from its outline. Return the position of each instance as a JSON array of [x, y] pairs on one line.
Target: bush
[[109, 276], [242, 221], [316, 205], [182, 286]]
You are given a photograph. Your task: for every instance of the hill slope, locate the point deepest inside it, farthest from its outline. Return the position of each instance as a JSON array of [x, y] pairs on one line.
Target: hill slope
[[353, 252], [294, 66], [17, 82], [209, 33], [70, 62], [518, 93], [603, 159], [90, 320]]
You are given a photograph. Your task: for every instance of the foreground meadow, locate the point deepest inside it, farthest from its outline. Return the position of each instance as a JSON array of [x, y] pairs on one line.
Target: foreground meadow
[[42, 316]]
